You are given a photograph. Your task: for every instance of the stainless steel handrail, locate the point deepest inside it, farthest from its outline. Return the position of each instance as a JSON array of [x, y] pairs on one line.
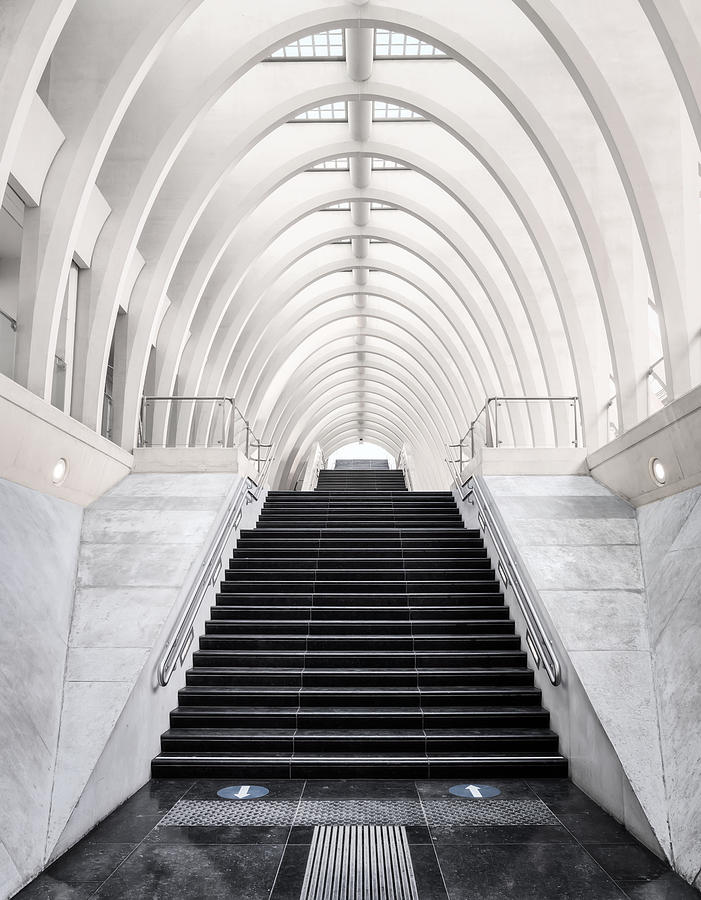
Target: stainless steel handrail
[[537, 638], [524, 399], [251, 439], [182, 634]]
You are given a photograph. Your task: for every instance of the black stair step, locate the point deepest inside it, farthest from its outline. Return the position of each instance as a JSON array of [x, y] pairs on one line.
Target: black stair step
[[281, 628], [360, 642], [299, 676], [385, 659], [357, 587], [324, 599], [332, 614], [455, 740], [359, 717]]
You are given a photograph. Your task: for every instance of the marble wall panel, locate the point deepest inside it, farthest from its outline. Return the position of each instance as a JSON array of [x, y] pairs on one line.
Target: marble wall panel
[[670, 531], [39, 537], [138, 546]]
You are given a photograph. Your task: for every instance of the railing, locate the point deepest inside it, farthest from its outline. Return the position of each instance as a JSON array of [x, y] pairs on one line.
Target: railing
[[183, 634], [199, 422], [404, 464], [520, 422], [537, 638]]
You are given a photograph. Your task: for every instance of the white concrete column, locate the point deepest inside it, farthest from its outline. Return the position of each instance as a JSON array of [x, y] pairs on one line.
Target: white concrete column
[[360, 171], [360, 119], [362, 321], [360, 276], [360, 212], [360, 45], [360, 301], [361, 247], [360, 340]]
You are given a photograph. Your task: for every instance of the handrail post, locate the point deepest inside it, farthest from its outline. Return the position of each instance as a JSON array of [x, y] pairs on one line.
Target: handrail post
[[574, 411], [248, 439], [496, 422]]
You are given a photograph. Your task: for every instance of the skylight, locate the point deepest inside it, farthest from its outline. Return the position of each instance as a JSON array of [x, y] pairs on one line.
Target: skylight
[[325, 45], [340, 164], [393, 44], [336, 207], [341, 241], [376, 204], [327, 112], [391, 112], [379, 164]]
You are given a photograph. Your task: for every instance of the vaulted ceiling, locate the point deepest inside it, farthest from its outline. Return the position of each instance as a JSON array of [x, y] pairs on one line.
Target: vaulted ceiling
[[362, 219]]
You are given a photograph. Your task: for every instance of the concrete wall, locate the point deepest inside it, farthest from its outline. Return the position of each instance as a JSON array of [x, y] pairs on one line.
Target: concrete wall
[[39, 538], [623, 608], [673, 435], [670, 542]]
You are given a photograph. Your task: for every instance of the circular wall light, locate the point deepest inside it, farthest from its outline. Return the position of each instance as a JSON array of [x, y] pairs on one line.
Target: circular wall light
[[657, 471], [59, 472]]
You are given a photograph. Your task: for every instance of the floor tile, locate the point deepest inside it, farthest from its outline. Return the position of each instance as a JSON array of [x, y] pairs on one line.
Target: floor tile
[[290, 878], [668, 886], [126, 825], [438, 788], [524, 872], [562, 796], [357, 789], [279, 788], [595, 827], [631, 862], [189, 872], [219, 834], [47, 888], [429, 881], [88, 862], [500, 834], [158, 795]]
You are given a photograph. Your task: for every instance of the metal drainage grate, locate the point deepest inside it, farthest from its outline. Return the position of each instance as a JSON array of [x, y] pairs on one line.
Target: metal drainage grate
[[359, 863], [490, 812]]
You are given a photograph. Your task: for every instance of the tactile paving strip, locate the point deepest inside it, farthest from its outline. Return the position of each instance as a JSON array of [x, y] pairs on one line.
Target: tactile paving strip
[[488, 812], [359, 812], [231, 812]]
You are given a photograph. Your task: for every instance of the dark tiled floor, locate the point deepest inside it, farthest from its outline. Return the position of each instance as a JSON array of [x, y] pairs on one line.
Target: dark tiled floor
[[585, 855]]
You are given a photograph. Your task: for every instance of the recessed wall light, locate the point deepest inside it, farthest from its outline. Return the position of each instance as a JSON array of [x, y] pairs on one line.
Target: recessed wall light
[[657, 471], [60, 470]]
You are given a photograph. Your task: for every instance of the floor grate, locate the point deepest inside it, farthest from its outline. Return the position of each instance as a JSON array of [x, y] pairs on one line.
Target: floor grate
[[359, 863], [359, 812]]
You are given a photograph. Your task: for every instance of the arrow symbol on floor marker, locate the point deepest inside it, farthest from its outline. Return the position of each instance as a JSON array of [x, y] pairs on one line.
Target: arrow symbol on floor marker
[[243, 791], [474, 790]]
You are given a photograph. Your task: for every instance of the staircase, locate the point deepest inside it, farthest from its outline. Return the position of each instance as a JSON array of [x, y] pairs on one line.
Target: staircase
[[360, 631]]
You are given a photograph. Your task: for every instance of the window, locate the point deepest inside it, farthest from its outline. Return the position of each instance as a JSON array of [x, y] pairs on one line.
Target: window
[[325, 45], [336, 207], [394, 45], [341, 241], [376, 204], [340, 164], [391, 112], [327, 112], [380, 165]]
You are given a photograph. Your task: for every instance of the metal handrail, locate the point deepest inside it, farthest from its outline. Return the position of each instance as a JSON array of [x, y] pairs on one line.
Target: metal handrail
[[537, 638], [524, 399], [251, 439], [182, 634]]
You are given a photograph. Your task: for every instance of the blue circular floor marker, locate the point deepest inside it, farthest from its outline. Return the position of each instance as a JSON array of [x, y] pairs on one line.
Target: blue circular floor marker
[[242, 792], [474, 791]]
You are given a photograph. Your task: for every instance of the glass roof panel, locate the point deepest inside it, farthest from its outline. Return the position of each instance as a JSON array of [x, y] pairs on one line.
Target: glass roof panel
[[392, 112], [394, 45], [340, 164], [327, 112], [380, 164], [324, 45]]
